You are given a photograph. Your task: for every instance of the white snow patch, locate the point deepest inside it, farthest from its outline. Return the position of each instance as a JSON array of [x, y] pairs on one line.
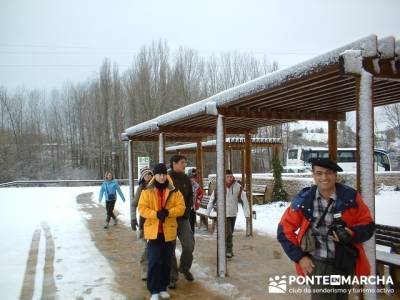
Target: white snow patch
[[76, 258]]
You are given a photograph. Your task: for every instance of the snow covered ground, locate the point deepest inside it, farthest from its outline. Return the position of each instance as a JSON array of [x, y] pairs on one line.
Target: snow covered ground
[[25, 208]]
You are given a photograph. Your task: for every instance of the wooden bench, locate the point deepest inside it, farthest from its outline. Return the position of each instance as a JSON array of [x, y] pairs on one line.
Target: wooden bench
[[388, 236], [260, 193], [202, 211]]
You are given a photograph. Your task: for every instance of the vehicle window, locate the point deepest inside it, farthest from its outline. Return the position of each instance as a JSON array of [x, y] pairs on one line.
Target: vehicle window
[[346, 156], [293, 154], [382, 160]]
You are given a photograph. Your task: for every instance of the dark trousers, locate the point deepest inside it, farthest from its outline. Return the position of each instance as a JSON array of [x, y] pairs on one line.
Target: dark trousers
[[328, 268], [110, 210], [159, 254], [230, 228], [192, 220], [186, 238]]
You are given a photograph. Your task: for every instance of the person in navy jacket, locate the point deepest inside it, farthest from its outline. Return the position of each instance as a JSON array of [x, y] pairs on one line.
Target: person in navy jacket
[[109, 189]]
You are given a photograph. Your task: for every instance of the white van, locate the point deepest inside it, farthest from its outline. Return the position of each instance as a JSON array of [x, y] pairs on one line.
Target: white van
[[298, 159]]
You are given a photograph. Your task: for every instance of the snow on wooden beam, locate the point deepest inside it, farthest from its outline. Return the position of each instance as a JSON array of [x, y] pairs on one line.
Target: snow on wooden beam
[[353, 64], [161, 148], [384, 66], [386, 47], [220, 189], [235, 143], [131, 174], [167, 138], [284, 115], [277, 79], [202, 130]]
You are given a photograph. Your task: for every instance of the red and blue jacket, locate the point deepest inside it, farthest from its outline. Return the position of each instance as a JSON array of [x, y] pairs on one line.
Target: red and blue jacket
[[298, 217]]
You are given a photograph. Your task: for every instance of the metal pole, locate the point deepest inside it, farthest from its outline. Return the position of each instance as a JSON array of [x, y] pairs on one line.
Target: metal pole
[[221, 190]]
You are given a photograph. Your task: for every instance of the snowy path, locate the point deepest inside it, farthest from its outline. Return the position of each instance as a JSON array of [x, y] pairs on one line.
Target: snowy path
[[46, 244], [54, 246]]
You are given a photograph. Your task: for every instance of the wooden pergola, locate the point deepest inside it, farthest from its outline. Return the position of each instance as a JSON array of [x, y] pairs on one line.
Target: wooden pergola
[[356, 77], [231, 143]]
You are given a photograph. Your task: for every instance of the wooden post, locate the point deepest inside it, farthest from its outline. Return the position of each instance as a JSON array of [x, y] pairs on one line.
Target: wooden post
[[161, 148], [131, 174], [249, 178], [220, 192], [199, 163], [332, 139], [365, 157], [243, 167], [230, 159]]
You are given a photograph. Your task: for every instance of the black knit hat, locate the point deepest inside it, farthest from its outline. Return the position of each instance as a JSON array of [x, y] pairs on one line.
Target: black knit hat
[[160, 169], [326, 163]]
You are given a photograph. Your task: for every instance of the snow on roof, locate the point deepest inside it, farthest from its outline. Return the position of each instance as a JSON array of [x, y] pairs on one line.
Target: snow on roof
[[367, 45], [237, 140]]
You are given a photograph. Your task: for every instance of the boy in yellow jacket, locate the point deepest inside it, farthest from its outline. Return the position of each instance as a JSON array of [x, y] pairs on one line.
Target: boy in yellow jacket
[[160, 204]]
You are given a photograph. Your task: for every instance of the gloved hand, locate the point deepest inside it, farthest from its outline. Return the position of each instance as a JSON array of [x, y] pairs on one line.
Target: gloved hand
[[162, 214], [134, 224]]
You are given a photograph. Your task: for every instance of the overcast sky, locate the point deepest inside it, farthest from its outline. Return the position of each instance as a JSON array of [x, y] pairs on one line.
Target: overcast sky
[[45, 43]]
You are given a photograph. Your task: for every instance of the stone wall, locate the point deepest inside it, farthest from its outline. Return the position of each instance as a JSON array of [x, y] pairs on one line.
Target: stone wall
[[293, 183]]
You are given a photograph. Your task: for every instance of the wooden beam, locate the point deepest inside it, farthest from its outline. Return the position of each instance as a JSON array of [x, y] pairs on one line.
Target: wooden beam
[[155, 138], [243, 167], [332, 140], [230, 159], [202, 131], [199, 163], [249, 178], [291, 86], [283, 115], [386, 68], [161, 148], [131, 175], [365, 155]]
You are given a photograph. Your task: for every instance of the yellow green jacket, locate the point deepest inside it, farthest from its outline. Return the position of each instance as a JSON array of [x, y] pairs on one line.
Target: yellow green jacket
[[148, 207]]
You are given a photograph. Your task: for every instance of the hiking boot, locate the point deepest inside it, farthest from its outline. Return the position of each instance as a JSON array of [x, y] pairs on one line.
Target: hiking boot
[[105, 225], [172, 285], [164, 295], [188, 276], [115, 222]]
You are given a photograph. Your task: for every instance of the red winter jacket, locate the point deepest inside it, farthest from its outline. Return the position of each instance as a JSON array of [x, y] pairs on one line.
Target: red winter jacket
[[198, 195], [299, 215]]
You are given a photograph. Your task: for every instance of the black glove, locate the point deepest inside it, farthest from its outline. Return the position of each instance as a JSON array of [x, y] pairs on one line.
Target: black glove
[[162, 214], [134, 224]]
